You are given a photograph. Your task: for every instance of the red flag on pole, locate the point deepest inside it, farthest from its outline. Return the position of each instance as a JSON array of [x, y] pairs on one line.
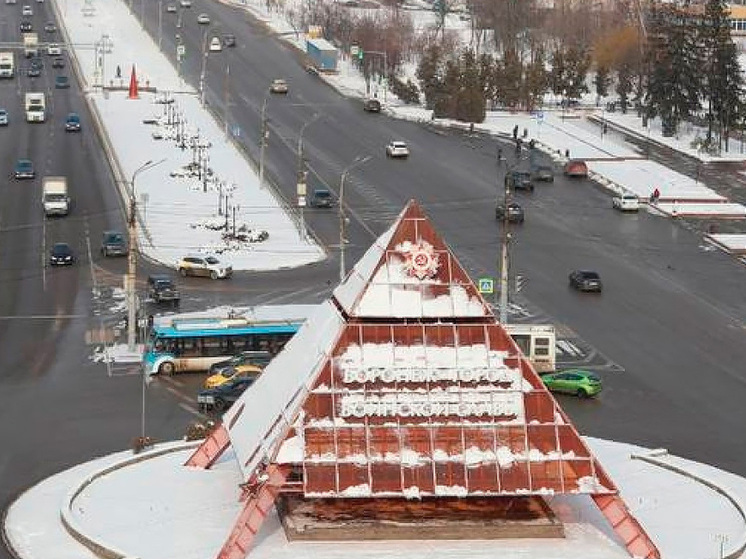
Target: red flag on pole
[[133, 85]]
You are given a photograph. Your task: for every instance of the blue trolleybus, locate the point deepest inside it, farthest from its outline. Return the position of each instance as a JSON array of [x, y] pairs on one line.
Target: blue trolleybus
[[184, 344]]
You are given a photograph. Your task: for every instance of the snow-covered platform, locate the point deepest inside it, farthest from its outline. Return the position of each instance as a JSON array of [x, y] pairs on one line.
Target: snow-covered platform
[[150, 506], [732, 243]]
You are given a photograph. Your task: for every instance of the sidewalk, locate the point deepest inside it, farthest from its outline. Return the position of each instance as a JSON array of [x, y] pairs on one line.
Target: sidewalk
[[149, 506]]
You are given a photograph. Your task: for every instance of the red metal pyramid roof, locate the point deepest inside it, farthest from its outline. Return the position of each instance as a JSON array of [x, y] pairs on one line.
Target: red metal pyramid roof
[[410, 272]]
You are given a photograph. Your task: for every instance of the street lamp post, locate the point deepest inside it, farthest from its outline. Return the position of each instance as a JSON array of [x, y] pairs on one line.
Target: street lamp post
[[505, 238], [160, 23], [263, 140], [131, 257], [302, 173], [359, 160], [204, 69]]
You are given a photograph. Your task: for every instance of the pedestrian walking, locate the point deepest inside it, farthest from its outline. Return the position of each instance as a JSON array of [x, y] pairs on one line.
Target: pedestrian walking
[[119, 72], [499, 156], [515, 132]]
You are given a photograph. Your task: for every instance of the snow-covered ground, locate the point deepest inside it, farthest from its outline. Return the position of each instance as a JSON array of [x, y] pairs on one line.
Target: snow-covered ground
[[179, 212], [156, 508]]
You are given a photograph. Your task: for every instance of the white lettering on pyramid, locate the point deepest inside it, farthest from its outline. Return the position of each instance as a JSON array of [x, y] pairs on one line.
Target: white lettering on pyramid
[[353, 375], [432, 404]]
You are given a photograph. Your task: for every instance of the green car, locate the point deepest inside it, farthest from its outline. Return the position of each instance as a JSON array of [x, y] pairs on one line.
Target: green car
[[573, 381]]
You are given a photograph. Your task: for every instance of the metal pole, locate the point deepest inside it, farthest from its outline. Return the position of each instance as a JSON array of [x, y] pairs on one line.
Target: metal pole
[[132, 257], [204, 69], [160, 23], [342, 218], [301, 171], [227, 98], [504, 258], [262, 142]]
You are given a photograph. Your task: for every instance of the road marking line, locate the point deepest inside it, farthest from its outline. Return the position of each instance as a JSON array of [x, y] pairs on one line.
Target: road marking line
[[192, 410]]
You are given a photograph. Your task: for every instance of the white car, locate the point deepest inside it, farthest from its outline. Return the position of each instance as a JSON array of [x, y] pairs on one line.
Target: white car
[[215, 44], [54, 50], [10, 1], [397, 149], [27, 11], [185, 3], [204, 265], [203, 19], [278, 86], [171, 8], [626, 202]]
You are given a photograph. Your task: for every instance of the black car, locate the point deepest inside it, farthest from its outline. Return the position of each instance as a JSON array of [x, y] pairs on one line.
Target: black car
[[50, 28], [515, 212], [61, 255], [161, 287], [220, 398], [519, 180], [113, 243], [258, 358], [61, 82], [585, 280], [72, 123], [321, 198], [26, 27], [58, 62], [372, 105], [543, 173], [229, 40], [33, 71]]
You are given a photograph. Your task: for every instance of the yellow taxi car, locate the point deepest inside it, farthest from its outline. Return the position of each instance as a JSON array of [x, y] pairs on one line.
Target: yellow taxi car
[[232, 373]]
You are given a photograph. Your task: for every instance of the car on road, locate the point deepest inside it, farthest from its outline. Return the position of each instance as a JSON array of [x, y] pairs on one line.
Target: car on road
[[279, 86], [519, 180], [61, 82], [204, 265], [215, 44], [26, 27], [584, 384], [229, 40], [543, 173], [372, 105], [24, 169], [3, 117], [171, 8], [626, 202], [185, 3], [72, 123], [161, 288], [113, 243], [222, 397], [321, 198], [232, 373], [203, 19], [576, 168], [61, 255], [397, 149], [10, 1], [515, 212], [33, 71], [27, 10], [50, 28], [54, 49], [254, 358], [585, 280]]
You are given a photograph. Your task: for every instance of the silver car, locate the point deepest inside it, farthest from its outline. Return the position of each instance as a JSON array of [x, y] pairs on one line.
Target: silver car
[[3, 117]]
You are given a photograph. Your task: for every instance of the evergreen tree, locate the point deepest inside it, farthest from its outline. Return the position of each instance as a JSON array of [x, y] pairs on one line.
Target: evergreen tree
[[723, 80], [470, 105], [429, 75], [601, 82], [511, 79], [577, 64], [624, 85], [558, 72], [536, 80], [488, 77]]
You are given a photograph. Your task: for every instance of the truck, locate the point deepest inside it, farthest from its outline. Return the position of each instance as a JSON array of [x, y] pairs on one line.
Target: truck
[[31, 44], [36, 107], [55, 197], [7, 65], [538, 344]]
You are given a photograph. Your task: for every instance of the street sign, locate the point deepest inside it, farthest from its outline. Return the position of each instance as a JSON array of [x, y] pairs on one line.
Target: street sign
[[180, 50], [486, 285], [301, 201], [354, 49]]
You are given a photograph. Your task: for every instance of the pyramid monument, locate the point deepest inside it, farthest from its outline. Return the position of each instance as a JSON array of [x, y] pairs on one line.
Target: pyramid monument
[[403, 399]]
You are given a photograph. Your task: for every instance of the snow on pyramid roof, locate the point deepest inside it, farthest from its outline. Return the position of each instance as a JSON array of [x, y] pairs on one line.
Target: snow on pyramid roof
[[409, 272], [258, 418], [435, 410]]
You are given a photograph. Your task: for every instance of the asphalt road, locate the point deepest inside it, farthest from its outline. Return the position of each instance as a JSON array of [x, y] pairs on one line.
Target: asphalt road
[[669, 325]]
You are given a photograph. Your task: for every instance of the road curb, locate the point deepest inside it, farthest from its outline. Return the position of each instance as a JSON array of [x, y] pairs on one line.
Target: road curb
[[657, 456], [71, 525]]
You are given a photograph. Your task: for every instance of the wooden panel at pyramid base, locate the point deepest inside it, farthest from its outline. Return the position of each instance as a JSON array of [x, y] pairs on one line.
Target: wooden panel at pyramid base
[[437, 518]]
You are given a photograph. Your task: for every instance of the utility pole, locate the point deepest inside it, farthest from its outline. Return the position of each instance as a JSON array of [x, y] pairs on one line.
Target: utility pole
[[503, 263], [359, 160], [132, 256], [302, 174], [263, 141], [160, 23], [227, 98]]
